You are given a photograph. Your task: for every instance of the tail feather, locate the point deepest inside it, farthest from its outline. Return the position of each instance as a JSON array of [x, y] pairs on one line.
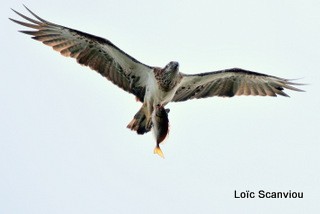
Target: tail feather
[[139, 122]]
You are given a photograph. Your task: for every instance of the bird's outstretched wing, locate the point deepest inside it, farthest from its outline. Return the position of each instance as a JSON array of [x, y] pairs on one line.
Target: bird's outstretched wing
[[97, 53], [231, 82]]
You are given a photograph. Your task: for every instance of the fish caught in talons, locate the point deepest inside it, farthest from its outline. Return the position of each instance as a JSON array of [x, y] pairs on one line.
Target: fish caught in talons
[[160, 127], [149, 84]]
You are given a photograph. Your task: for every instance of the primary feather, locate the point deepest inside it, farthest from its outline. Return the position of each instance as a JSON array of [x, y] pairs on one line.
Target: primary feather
[[154, 86]]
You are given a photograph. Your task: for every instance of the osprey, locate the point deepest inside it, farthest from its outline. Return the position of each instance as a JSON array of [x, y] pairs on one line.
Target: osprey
[[154, 86]]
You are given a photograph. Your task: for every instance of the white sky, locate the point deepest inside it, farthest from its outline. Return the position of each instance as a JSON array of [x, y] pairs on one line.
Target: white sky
[[64, 147]]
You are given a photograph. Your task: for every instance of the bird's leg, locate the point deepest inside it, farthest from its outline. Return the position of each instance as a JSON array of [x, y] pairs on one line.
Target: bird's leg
[[148, 112]]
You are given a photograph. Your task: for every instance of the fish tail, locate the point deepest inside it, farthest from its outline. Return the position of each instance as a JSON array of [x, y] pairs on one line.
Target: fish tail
[[158, 151]]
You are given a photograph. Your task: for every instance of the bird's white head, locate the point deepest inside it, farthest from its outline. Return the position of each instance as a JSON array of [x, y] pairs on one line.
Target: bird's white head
[[169, 76], [172, 68]]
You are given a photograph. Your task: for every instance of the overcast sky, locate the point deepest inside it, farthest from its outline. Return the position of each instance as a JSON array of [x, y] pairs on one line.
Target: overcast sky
[[64, 146]]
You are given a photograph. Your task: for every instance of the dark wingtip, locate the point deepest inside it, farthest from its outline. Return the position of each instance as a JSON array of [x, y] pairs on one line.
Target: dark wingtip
[[15, 12], [36, 16], [26, 7]]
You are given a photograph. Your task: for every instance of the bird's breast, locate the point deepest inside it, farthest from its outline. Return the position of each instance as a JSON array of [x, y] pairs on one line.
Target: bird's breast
[[156, 94]]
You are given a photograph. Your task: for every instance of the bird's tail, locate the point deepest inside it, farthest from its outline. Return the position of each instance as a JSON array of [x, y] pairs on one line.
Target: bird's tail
[[139, 122]]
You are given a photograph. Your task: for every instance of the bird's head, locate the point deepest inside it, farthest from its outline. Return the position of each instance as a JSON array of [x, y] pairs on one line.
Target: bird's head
[[170, 76], [172, 68]]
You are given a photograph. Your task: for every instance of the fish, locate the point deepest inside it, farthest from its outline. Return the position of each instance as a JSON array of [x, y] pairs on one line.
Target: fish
[[160, 127]]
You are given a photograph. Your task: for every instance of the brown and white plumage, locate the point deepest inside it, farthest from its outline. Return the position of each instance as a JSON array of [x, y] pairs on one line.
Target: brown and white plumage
[[155, 87], [231, 82], [89, 50]]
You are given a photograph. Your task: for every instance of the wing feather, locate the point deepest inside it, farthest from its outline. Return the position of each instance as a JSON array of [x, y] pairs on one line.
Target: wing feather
[[231, 82], [89, 50]]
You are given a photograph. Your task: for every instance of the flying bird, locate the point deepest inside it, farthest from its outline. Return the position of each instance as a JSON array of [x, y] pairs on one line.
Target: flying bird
[[154, 86]]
